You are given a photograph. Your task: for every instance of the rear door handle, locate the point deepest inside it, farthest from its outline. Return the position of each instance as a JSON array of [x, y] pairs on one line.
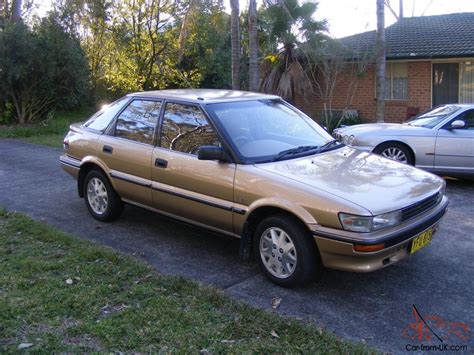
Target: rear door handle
[[161, 163], [107, 149]]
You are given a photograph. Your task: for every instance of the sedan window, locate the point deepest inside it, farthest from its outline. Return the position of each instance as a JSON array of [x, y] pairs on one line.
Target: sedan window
[[433, 117], [468, 118], [264, 130], [101, 120], [138, 121], [185, 128]]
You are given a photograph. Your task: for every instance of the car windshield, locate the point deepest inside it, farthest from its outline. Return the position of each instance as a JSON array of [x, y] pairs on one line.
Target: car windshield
[[268, 130], [433, 117]]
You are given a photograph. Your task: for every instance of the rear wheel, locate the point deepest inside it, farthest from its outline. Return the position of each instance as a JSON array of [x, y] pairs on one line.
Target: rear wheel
[[101, 199], [286, 252], [396, 151]]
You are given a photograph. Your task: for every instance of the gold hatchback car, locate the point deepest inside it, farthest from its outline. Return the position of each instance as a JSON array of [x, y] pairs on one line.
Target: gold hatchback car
[[254, 167]]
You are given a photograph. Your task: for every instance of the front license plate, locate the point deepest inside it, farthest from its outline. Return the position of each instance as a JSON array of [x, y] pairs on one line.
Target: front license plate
[[422, 240]]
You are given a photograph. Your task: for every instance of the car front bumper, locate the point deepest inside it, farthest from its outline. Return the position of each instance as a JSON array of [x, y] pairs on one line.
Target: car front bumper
[[336, 246]]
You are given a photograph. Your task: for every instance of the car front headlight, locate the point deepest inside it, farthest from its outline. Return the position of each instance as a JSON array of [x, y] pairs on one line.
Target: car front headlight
[[348, 140], [386, 220], [366, 224]]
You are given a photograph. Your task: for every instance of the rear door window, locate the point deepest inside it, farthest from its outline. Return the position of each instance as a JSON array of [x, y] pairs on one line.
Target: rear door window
[[138, 121]]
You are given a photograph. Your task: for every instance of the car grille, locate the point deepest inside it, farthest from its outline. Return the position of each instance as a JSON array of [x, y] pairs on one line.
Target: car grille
[[420, 207]]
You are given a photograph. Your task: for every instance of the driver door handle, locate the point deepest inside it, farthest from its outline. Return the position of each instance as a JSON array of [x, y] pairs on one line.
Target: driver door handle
[[161, 163]]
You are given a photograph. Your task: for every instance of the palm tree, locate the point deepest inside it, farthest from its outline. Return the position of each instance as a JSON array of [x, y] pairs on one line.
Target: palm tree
[[380, 61], [16, 10], [253, 46], [283, 73], [235, 43]]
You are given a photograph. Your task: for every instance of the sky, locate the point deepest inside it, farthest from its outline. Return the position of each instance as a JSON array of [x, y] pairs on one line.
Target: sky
[[347, 17]]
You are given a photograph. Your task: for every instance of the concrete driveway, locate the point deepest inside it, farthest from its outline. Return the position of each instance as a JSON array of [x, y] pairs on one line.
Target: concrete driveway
[[375, 307]]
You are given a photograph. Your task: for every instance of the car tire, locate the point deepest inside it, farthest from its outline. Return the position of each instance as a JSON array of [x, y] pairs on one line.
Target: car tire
[[396, 151], [290, 258], [102, 201]]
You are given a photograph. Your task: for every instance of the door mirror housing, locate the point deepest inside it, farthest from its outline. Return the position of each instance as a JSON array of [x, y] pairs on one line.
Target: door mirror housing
[[211, 152], [457, 124]]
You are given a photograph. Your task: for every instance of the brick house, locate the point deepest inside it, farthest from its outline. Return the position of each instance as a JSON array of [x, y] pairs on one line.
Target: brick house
[[430, 61]]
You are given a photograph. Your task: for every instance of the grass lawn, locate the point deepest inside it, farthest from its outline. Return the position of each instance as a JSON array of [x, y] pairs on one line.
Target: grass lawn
[[50, 133], [62, 294]]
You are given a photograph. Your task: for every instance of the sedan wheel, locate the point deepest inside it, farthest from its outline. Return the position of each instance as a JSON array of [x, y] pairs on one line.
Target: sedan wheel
[[396, 151], [278, 252], [101, 199], [286, 251], [97, 196], [395, 154]]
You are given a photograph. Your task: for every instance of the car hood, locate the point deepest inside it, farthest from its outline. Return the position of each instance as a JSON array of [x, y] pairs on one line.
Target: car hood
[[382, 129], [377, 184]]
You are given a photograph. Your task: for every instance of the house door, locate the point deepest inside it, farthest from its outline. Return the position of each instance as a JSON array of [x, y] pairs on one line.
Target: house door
[[445, 83]]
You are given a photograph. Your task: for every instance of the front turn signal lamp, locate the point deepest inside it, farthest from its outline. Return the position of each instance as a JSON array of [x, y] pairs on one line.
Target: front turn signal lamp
[[368, 248]]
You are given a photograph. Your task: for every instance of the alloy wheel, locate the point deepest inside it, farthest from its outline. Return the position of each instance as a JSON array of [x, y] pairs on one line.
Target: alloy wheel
[[278, 252], [97, 195]]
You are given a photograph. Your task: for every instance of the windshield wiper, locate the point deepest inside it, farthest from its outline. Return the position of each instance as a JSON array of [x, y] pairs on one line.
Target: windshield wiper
[[304, 148], [294, 151], [328, 145]]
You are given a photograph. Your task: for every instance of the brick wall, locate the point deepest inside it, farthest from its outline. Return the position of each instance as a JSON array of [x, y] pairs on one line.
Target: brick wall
[[363, 96]]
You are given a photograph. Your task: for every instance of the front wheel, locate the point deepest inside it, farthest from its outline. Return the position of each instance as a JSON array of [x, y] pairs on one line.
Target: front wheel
[[286, 252], [101, 199], [396, 151]]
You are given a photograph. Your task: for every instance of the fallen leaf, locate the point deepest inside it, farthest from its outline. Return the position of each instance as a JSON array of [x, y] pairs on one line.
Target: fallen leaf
[[274, 334], [24, 345], [69, 281], [226, 341], [276, 302]]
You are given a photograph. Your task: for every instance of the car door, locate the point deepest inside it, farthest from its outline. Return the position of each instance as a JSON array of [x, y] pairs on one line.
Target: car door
[[128, 148], [183, 186], [454, 150]]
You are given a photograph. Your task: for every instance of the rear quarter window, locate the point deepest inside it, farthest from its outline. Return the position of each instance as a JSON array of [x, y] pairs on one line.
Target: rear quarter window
[[101, 120]]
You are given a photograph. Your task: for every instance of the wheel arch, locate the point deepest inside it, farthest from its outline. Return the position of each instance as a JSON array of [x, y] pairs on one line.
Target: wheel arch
[[258, 214], [87, 165], [397, 141]]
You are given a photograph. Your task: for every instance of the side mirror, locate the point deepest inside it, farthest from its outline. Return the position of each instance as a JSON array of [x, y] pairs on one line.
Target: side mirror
[[211, 152], [457, 124]]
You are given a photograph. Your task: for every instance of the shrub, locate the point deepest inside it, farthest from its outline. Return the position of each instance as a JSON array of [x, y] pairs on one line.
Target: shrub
[[41, 69]]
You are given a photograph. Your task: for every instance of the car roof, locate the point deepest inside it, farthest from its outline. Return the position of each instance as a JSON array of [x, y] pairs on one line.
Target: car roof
[[204, 95]]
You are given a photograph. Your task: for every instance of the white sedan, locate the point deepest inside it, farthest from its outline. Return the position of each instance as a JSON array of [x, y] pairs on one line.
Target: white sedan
[[440, 140]]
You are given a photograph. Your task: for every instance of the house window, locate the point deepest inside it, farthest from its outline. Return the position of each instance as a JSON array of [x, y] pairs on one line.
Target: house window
[[396, 81], [466, 91]]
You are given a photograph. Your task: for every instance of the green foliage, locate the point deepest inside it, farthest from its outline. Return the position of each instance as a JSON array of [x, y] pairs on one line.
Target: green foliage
[[136, 45], [207, 49], [49, 132], [287, 21], [332, 119], [41, 69], [290, 29], [6, 113]]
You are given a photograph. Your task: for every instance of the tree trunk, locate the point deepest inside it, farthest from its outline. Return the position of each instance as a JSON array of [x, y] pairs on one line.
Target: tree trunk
[[16, 10], [253, 47], [380, 61], [235, 42]]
